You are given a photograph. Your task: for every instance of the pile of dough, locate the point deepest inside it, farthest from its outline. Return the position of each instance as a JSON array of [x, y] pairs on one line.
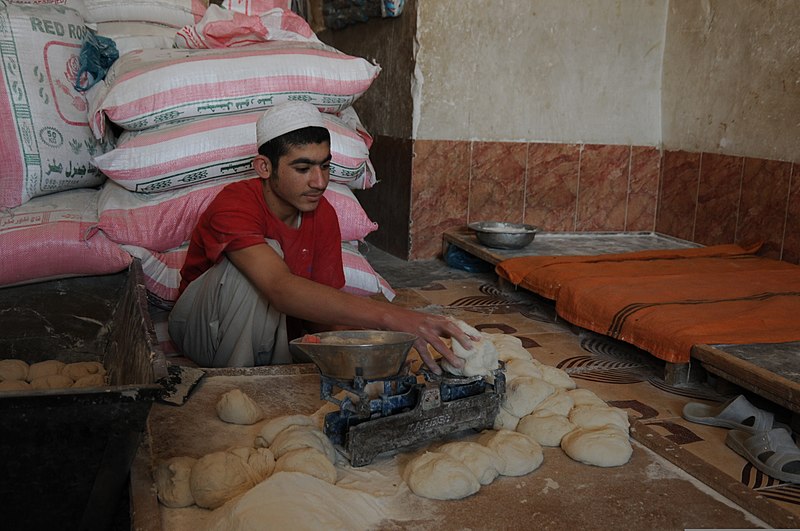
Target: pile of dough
[[274, 426], [296, 437], [219, 476], [307, 461], [438, 476], [17, 375], [480, 360], [545, 427], [524, 393], [235, 407], [601, 446], [599, 416], [516, 367], [484, 463], [509, 348], [172, 481], [519, 454]]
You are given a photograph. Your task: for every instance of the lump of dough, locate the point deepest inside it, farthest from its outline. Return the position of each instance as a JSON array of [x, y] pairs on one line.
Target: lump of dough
[[81, 369], [505, 420], [545, 427], [519, 453], [172, 481], [273, 427], [559, 403], [15, 385], [480, 360], [53, 381], [296, 437], [235, 407], [599, 416], [484, 463], [92, 380], [438, 476], [307, 461], [524, 393], [519, 367], [13, 370], [260, 460], [44, 368], [510, 347], [557, 377], [585, 397], [219, 476], [606, 446]]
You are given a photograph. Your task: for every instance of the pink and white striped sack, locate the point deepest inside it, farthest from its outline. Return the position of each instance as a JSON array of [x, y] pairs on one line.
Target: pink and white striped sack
[[354, 223], [256, 7], [199, 150], [145, 88], [359, 276], [56, 236]]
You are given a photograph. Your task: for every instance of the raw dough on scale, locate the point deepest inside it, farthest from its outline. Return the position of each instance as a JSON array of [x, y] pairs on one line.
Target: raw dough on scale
[[235, 407], [438, 476], [480, 360]]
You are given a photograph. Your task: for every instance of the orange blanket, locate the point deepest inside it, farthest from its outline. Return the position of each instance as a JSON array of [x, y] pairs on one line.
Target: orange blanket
[[667, 301]]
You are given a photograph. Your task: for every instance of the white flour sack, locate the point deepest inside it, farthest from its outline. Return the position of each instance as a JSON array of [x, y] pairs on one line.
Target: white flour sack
[[354, 223], [203, 149], [175, 13], [55, 236], [255, 7], [359, 276], [146, 88], [130, 36], [47, 144], [162, 273]]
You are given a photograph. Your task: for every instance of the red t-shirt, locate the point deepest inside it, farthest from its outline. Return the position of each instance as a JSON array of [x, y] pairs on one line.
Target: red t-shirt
[[239, 217]]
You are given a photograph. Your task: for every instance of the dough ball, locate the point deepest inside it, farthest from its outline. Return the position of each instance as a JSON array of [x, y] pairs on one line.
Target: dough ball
[[260, 460], [44, 368], [518, 367], [15, 385], [559, 403], [307, 461], [81, 369], [235, 407], [53, 381], [172, 481], [599, 416], [93, 380], [296, 437], [585, 397], [13, 370], [480, 360], [557, 377], [545, 427], [274, 426], [440, 477], [519, 453], [509, 347], [219, 476], [523, 394], [484, 464], [606, 446], [505, 420]]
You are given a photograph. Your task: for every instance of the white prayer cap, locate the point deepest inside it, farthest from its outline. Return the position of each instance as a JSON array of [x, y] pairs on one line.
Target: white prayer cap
[[285, 118]]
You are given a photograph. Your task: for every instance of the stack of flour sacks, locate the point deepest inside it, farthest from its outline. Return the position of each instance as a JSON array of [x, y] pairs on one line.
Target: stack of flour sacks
[[177, 124]]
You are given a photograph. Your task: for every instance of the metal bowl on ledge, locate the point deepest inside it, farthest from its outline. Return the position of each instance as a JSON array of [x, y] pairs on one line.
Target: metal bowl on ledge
[[502, 235]]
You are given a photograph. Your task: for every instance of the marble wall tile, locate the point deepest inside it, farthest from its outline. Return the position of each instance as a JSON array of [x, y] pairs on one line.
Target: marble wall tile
[[603, 187], [552, 186], [765, 195], [718, 198], [643, 189], [439, 193], [497, 181], [680, 173], [791, 238]]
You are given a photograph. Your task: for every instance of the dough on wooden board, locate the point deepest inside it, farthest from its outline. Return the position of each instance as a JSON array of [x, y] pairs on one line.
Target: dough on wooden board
[[484, 463], [274, 426], [605, 446], [599, 416], [296, 437], [11, 369], [172, 481], [81, 369], [235, 407], [519, 453], [545, 427], [52, 381], [307, 461], [480, 360], [438, 476], [44, 368], [559, 403], [220, 476], [15, 385], [524, 393]]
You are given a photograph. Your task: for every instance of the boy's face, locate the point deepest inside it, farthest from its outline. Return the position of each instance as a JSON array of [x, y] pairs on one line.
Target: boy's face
[[300, 179]]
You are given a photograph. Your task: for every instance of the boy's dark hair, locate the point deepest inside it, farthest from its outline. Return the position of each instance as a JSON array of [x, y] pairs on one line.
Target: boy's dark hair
[[279, 146]]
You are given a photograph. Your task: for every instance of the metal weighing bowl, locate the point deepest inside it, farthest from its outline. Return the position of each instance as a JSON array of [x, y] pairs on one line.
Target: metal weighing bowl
[[371, 354], [501, 235]]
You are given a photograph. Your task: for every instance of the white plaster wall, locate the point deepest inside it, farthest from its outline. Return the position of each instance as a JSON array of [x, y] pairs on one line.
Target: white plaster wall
[[539, 70], [732, 78]]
